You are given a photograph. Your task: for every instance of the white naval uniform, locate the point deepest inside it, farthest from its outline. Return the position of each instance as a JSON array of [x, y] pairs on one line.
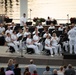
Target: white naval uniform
[[39, 27], [44, 36], [51, 27], [29, 45], [2, 29], [14, 38], [26, 33], [60, 29], [72, 39], [37, 38], [9, 43], [54, 41], [23, 19], [48, 46], [9, 31]]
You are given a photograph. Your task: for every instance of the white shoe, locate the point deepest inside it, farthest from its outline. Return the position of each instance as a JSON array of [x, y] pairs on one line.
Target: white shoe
[[17, 51], [52, 55]]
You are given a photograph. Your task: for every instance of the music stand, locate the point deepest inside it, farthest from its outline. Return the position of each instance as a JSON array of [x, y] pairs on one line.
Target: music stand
[[28, 23]]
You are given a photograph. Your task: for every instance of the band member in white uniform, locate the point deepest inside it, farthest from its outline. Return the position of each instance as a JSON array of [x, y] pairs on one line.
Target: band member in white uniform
[[14, 39], [20, 33], [23, 20], [55, 41], [9, 30], [10, 42], [39, 26], [72, 38], [26, 32], [51, 26], [2, 29], [48, 45], [36, 30], [36, 39], [46, 33], [30, 44]]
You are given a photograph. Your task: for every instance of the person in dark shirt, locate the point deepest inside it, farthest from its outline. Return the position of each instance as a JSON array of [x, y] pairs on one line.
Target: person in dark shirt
[[17, 70], [70, 70], [2, 71]]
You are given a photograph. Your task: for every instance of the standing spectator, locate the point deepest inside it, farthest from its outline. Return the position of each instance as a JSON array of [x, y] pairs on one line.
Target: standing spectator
[[47, 71], [32, 67], [23, 20], [17, 70], [9, 71], [70, 70], [10, 64], [2, 71]]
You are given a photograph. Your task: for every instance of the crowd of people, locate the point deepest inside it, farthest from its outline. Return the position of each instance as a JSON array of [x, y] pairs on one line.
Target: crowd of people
[[54, 40], [31, 69]]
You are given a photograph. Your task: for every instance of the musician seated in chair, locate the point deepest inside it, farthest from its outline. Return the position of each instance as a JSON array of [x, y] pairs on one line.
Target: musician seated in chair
[[30, 44], [36, 40], [10, 42]]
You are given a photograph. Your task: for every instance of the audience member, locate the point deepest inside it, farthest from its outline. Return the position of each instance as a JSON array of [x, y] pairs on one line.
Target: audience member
[[26, 72], [10, 64], [32, 67], [47, 71], [34, 72], [2, 72], [55, 72], [9, 71], [17, 70], [70, 70], [60, 71]]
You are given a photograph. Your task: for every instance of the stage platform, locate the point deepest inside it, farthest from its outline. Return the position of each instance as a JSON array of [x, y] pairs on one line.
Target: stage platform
[[40, 59]]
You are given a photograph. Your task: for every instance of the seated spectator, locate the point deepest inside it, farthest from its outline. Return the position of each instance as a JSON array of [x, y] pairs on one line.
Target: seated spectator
[[60, 71], [17, 70], [55, 72], [34, 72], [26, 72], [70, 70], [47, 71], [9, 71]]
